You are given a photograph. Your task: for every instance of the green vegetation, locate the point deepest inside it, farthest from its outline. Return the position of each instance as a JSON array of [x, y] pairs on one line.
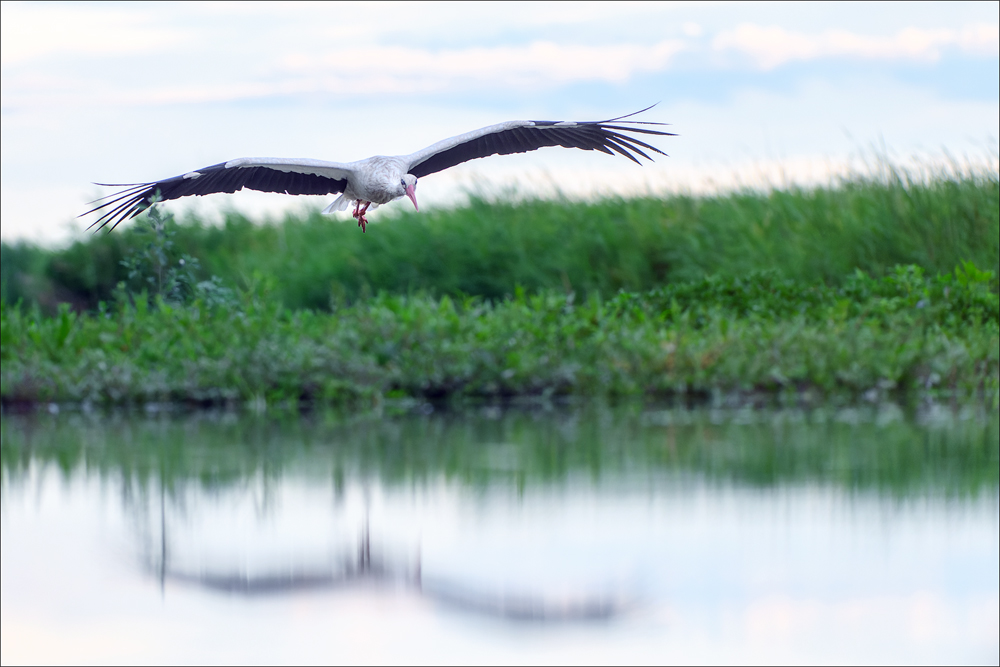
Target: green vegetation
[[793, 293], [489, 249], [935, 450], [902, 333]]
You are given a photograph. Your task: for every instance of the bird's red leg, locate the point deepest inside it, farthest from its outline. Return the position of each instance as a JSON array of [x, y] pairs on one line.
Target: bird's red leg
[[362, 220]]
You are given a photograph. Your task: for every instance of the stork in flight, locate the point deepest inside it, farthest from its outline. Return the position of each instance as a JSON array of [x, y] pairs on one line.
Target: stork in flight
[[379, 179]]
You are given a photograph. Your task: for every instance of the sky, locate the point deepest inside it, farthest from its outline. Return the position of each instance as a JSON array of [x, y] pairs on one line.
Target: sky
[[761, 95]]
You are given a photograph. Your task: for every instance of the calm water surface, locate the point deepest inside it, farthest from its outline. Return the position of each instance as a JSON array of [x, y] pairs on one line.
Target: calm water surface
[[573, 535]]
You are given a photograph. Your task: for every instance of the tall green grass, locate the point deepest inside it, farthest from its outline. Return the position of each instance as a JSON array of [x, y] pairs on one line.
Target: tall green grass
[[491, 248]]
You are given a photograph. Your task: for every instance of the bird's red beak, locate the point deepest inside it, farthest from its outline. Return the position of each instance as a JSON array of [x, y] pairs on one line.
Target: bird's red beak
[[411, 192]]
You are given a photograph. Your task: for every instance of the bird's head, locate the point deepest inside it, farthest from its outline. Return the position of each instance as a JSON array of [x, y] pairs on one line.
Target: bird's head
[[408, 185]]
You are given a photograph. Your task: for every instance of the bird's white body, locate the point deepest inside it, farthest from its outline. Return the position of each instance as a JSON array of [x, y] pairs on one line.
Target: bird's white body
[[379, 179], [376, 180]]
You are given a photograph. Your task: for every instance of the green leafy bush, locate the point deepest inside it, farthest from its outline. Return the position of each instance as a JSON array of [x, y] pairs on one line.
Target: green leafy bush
[[761, 334]]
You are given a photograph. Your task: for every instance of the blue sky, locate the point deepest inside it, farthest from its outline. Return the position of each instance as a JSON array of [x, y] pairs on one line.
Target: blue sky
[[761, 94]]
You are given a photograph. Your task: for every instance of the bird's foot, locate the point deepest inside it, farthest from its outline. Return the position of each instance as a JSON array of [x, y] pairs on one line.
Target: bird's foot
[[359, 213]]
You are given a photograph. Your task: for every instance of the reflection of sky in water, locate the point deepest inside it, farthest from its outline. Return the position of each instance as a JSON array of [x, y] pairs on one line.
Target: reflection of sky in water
[[716, 571]]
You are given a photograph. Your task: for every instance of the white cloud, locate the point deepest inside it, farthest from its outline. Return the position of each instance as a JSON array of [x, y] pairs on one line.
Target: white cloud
[[536, 64], [980, 38], [773, 46], [692, 29], [400, 69], [366, 71], [35, 31]]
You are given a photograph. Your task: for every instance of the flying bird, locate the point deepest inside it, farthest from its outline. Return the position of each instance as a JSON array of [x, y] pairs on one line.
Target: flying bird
[[379, 179]]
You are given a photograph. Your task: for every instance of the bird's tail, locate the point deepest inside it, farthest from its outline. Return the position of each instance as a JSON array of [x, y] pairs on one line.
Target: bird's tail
[[341, 203]]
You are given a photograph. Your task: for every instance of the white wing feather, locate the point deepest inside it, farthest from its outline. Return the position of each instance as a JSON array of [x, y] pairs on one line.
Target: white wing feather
[[337, 170]]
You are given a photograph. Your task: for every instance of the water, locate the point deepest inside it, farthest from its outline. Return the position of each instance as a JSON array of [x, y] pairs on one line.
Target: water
[[575, 535]]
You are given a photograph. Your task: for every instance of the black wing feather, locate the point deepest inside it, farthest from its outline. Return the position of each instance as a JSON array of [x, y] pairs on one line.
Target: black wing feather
[[607, 136], [137, 197]]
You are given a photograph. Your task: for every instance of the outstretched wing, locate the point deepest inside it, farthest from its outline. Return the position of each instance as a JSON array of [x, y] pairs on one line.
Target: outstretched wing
[[290, 176], [521, 136]]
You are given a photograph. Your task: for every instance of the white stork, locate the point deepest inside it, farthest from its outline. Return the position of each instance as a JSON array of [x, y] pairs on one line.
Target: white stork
[[379, 179]]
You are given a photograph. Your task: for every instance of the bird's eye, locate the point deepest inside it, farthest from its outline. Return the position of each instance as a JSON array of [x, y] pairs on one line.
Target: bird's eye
[[402, 182]]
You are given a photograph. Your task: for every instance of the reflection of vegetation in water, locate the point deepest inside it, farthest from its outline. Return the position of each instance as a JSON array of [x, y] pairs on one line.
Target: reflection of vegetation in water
[[856, 449]]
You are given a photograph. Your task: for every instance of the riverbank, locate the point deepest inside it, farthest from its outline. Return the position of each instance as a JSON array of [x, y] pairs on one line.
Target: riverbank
[[903, 334]]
